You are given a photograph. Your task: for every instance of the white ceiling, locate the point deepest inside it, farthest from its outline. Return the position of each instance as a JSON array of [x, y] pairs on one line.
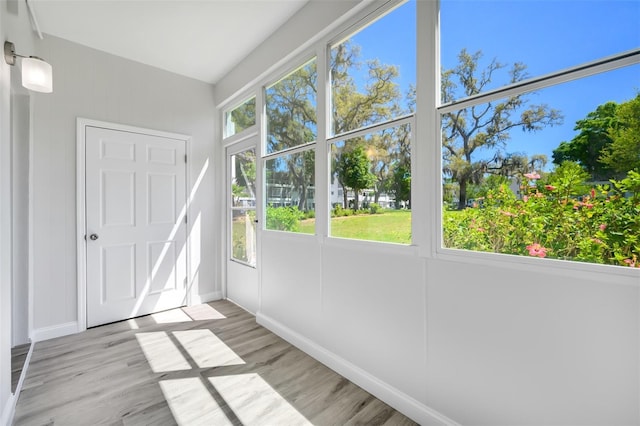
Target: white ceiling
[[202, 39]]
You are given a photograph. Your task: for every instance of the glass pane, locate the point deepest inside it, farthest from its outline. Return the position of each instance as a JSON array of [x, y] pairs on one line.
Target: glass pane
[[243, 236], [243, 179], [483, 40], [290, 192], [373, 72], [240, 118], [291, 109], [371, 186], [549, 173]]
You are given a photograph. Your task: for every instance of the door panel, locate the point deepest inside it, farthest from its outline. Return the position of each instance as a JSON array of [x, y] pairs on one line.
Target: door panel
[[120, 283], [118, 198], [135, 216], [162, 259], [162, 199]]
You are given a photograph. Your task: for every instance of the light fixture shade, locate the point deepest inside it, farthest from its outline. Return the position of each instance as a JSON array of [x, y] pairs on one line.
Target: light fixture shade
[[37, 75]]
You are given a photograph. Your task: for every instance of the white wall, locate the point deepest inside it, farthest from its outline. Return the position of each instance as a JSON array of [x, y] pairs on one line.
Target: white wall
[[5, 241], [20, 117], [91, 84], [510, 346], [15, 27], [449, 339], [482, 345]]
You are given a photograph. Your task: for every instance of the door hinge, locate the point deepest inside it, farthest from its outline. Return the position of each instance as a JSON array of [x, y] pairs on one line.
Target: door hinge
[[185, 219], [185, 158]]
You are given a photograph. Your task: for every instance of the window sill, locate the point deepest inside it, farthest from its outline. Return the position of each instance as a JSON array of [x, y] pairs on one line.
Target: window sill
[[581, 270], [371, 246]]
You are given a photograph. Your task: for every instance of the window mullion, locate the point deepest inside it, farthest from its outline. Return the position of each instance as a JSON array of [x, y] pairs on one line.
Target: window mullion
[[585, 70], [289, 151], [372, 128], [425, 149], [322, 155]]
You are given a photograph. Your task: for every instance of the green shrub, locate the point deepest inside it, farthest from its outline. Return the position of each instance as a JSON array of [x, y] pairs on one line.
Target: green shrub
[[560, 219], [284, 218], [339, 211], [375, 208]]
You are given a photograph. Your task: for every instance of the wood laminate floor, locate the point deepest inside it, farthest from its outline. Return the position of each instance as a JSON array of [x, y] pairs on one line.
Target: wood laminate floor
[[18, 357], [209, 364]]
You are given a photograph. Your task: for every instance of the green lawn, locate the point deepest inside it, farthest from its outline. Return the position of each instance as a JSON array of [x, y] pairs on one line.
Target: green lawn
[[392, 226]]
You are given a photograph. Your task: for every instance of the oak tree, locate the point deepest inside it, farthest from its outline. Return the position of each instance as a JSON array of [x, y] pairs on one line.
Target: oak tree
[[474, 139]]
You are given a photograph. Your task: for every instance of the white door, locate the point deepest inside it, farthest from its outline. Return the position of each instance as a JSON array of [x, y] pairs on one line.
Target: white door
[[135, 220], [242, 197]]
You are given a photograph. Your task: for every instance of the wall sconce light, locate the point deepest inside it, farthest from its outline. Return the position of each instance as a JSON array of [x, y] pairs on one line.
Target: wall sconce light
[[37, 75]]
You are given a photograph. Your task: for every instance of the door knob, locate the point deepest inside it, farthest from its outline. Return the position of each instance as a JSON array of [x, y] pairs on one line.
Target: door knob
[[93, 237]]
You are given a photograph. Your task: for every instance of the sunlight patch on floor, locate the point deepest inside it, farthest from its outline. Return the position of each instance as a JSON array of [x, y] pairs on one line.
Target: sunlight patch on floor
[[206, 349], [255, 402], [172, 316], [161, 353], [203, 312], [133, 324], [191, 403]]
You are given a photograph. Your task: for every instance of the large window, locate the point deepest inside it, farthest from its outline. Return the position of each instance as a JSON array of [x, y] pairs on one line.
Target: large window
[[290, 191], [240, 118], [290, 151], [537, 127], [541, 36], [291, 109], [372, 89], [371, 175], [537, 165]]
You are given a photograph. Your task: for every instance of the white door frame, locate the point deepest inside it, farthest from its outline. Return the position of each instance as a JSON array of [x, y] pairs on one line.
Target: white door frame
[[244, 144], [233, 145], [81, 220]]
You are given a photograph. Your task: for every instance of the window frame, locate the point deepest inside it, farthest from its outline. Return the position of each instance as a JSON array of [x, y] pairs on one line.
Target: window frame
[[248, 142], [388, 8], [264, 131], [289, 151], [426, 146], [236, 105], [407, 119], [299, 62], [331, 138], [556, 78]]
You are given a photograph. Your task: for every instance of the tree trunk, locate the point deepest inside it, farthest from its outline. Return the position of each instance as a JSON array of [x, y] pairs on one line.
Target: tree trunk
[[356, 200], [302, 203], [462, 198], [345, 198]]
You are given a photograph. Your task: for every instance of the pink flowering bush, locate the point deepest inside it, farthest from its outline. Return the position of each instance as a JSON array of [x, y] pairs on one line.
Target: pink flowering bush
[[560, 218], [537, 250]]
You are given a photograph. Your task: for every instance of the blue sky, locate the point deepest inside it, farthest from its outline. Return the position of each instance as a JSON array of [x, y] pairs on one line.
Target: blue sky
[[546, 35]]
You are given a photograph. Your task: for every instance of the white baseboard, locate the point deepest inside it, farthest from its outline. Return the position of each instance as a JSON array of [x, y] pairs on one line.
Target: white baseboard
[[381, 390], [241, 307], [207, 297], [51, 332], [10, 408]]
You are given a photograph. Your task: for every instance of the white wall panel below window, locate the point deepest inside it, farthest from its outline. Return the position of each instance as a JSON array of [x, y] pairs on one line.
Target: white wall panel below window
[[509, 347]]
